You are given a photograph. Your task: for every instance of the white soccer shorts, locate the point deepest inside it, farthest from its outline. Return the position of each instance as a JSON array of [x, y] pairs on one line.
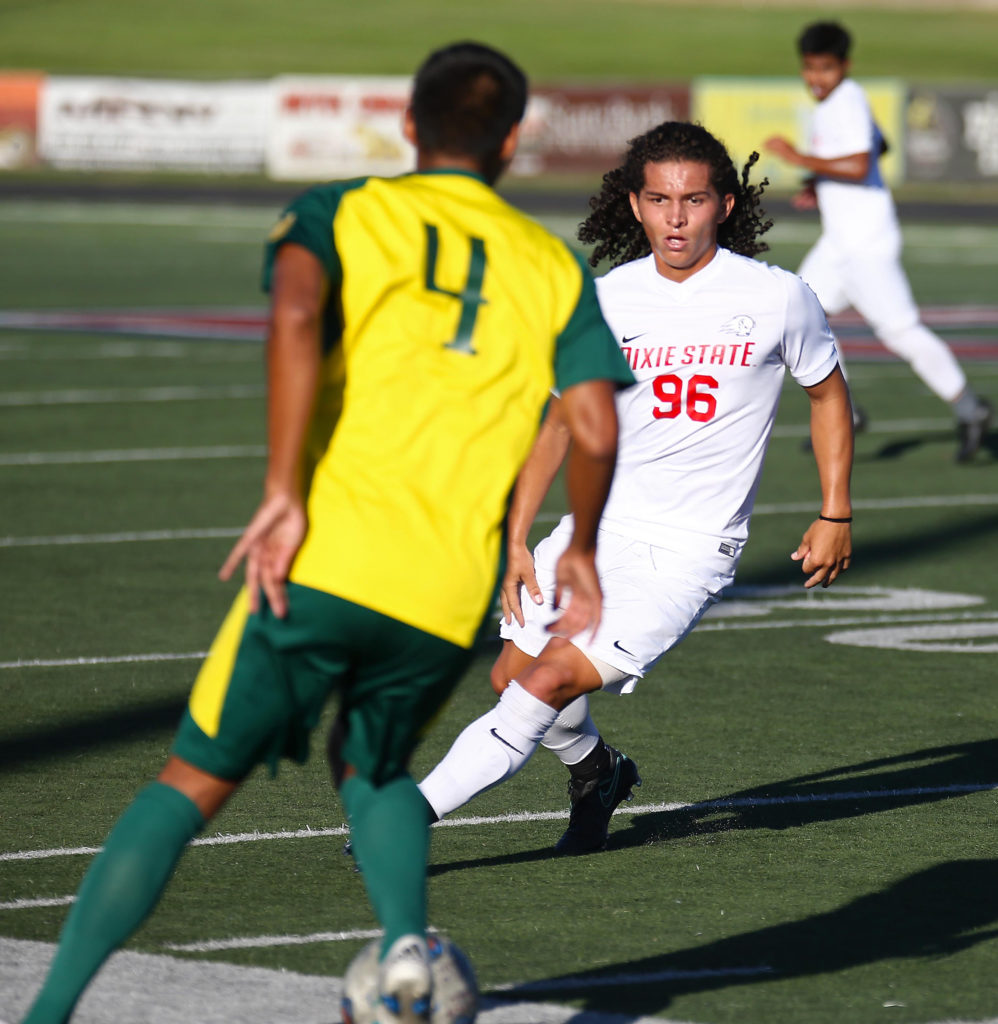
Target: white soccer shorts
[[652, 598]]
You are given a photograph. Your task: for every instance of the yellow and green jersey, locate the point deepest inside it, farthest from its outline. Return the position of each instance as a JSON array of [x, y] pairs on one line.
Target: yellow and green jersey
[[450, 318]]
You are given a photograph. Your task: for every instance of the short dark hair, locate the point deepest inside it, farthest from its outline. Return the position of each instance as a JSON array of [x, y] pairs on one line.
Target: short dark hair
[[825, 37], [465, 99], [611, 225]]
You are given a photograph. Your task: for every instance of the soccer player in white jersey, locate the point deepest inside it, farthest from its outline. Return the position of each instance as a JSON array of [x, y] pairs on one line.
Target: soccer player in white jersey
[[857, 260], [709, 333]]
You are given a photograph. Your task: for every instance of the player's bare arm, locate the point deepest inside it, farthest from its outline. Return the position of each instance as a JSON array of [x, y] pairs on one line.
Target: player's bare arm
[[532, 484], [826, 547], [852, 167], [277, 529], [591, 416]]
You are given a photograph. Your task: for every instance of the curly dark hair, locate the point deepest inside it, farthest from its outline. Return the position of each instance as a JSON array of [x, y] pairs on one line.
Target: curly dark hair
[[619, 237]]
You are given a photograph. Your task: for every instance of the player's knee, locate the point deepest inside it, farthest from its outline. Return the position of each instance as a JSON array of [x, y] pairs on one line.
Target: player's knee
[[499, 676], [553, 681]]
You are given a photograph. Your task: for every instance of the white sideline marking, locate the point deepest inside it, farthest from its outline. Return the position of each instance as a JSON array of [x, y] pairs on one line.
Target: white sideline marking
[[876, 427], [706, 626], [876, 620], [211, 532], [632, 978], [269, 941], [720, 804], [118, 659], [121, 538], [881, 504], [117, 396], [162, 989], [53, 901], [232, 451]]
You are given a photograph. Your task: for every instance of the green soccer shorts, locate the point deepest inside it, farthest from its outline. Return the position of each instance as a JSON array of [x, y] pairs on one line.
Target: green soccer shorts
[[263, 686]]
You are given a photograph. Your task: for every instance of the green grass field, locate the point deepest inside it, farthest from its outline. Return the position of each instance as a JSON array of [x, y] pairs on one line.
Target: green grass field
[[633, 39], [814, 840]]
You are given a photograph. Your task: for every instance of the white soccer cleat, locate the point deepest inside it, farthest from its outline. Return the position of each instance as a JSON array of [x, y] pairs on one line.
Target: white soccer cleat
[[405, 982]]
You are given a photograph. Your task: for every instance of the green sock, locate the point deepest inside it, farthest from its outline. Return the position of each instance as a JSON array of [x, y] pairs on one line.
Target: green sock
[[391, 841], [119, 891]]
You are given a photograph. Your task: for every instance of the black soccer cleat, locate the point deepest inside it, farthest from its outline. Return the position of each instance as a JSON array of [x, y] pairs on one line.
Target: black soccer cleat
[[593, 802], [971, 433]]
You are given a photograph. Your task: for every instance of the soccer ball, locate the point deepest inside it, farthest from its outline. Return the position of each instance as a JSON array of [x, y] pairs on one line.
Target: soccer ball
[[455, 991]]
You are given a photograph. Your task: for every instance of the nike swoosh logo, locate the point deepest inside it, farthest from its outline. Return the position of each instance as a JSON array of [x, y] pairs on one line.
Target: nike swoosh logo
[[634, 337], [616, 644], [607, 790], [505, 742]]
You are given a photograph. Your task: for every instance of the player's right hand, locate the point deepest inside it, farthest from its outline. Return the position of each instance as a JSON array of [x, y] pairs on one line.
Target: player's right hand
[[577, 583], [825, 552], [269, 544], [519, 573]]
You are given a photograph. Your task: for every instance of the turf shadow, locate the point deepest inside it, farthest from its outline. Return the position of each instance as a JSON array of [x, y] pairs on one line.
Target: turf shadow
[[71, 738], [940, 911], [900, 448], [904, 780]]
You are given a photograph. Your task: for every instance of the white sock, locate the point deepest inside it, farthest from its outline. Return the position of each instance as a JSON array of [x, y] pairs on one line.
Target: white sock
[[489, 751], [574, 733]]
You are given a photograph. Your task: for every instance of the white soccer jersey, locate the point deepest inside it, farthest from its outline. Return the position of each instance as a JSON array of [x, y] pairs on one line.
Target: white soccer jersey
[[709, 356], [853, 213]]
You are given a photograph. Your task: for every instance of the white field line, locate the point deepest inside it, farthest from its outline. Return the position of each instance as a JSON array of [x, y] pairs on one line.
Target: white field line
[[213, 532], [113, 659], [54, 901], [270, 941], [703, 627], [207, 533], [720, 804], [140, 215], [161, 989], [630, 978], [874, 620], [238, 451], [243, 451], [876, 427], [120, 396]]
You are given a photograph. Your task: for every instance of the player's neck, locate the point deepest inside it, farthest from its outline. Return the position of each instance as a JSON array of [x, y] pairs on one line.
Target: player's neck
[[447, 162]]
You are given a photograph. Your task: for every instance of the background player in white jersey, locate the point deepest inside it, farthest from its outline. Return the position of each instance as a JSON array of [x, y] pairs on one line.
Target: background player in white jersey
[[708, 333], [857, 260]]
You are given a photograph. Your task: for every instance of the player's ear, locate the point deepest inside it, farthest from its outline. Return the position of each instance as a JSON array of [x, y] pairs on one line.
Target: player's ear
[[635, 209], [727, 205], [510, 143], [409, 126]]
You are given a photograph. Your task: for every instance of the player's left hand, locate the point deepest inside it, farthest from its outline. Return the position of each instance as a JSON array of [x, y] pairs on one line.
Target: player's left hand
[[825, 552], [269, 545], [577, 581], [519, 573], [782, 148]]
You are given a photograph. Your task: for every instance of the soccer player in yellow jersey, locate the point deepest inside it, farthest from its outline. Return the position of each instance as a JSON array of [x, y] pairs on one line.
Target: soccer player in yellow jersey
[[417, 327]]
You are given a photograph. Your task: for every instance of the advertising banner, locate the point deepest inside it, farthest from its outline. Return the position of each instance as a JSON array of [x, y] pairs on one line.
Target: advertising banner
[[337, 127], [585, 129], [18, 118], [952, 134], [334, 127], [744, 112], [120, 123]]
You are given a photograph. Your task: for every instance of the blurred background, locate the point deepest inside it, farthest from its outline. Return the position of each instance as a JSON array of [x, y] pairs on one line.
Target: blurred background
[[245, 95]]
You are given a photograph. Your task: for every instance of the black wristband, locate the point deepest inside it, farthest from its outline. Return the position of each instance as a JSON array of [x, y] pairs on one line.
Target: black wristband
[[830, 519]]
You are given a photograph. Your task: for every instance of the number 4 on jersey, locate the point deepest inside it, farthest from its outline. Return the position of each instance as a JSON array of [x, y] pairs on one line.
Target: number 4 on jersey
[[470, 296]]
